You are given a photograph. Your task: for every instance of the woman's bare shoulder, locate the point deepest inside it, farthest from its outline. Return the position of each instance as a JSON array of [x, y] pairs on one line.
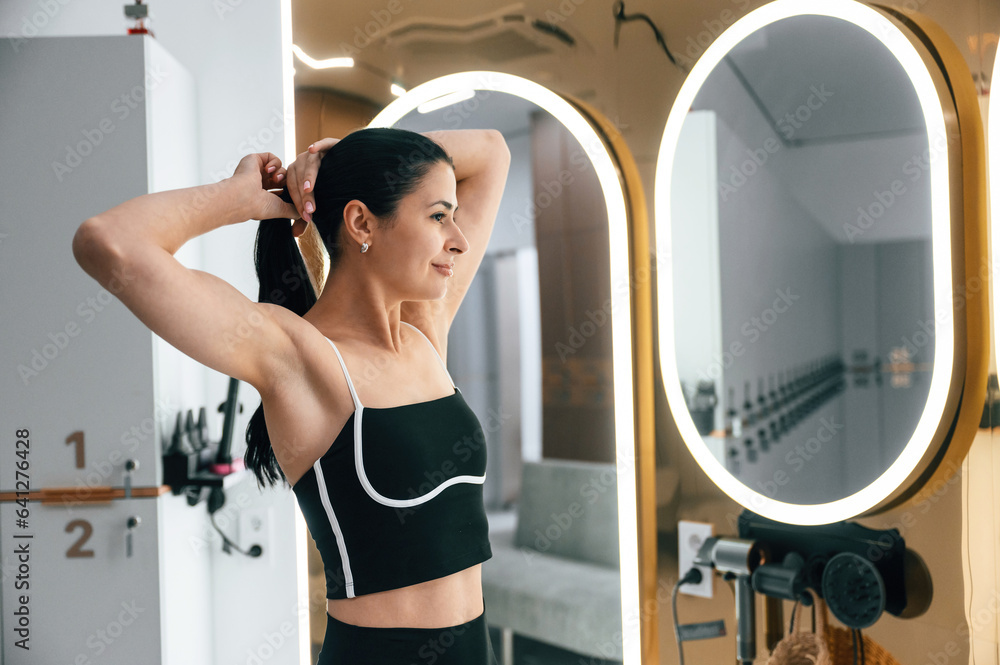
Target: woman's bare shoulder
[[307, 344]]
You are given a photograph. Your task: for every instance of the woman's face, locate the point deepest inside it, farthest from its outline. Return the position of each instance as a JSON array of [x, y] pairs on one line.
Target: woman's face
[[425, 234]]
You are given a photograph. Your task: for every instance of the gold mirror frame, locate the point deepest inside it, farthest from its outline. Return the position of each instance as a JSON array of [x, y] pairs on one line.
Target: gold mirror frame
[[945, 431], [631, 316]]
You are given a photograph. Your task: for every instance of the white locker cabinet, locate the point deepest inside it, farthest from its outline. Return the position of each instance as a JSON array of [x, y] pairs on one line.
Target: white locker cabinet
[[86, 601], [87, 123], [78, 119]]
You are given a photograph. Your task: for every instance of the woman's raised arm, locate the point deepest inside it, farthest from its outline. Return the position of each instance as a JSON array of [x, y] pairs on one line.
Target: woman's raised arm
[[482, 160], [129, 250]]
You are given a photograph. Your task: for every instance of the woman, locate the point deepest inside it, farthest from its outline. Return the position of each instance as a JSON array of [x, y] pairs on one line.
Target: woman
[[395, 505]]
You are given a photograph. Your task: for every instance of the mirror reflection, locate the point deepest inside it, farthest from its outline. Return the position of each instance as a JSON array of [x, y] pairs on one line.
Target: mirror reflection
[[802, 264], [532, 344]]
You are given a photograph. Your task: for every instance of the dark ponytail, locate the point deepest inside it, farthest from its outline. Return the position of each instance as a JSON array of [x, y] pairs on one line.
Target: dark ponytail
[[378, 166], [283, 280]]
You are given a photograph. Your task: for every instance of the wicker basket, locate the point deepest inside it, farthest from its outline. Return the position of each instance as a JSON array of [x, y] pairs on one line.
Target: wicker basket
[[804, 648], [838, 646], [842, 648]]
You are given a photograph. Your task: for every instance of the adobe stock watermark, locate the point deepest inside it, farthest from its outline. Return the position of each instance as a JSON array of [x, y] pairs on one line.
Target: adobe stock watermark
[[462, 450], [131, 439], [456, 114], [579, 334], [271, 642], [886, 27], [59, 341], [562, 522], [546, 192], [32, 25], [787, 125], [121, 108], [882, 546], [632, 621], [364, 35], [407, 166], [259, 141], [227, 515], [926, 329], [102, 638], [752, 330], [913, 169], [797, 458], [561, 14], [243, 329], [983, 620], [434, 647], [696, 45]]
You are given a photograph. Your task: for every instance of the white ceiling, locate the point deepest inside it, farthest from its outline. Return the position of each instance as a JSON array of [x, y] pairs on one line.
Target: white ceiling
[[844, 158], [859, 88], [846, 121]]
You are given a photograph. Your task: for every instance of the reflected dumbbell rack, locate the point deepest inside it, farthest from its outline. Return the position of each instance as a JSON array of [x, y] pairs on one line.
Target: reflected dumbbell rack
[[779, 407]]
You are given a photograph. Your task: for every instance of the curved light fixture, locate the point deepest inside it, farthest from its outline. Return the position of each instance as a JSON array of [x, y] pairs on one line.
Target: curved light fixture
[[328, 63], [618, 235], [347, 62], [941, 399]]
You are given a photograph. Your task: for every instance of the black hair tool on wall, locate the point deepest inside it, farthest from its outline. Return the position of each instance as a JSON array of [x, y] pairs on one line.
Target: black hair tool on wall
[[859, 572], [191, 463], [224, 463]]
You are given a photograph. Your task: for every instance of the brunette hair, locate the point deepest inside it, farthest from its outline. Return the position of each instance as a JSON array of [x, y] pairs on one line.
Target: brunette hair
[[378, 166]]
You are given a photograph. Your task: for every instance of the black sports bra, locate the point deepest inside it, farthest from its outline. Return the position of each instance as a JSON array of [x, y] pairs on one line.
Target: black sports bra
[[398, 497]]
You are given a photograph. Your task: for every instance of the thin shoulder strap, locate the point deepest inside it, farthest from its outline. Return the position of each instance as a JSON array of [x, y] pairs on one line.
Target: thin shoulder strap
[[440, 359], [350, 384]]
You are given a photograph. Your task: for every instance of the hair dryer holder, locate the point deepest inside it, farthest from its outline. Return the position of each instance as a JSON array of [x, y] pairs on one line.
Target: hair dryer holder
[[192, 463]]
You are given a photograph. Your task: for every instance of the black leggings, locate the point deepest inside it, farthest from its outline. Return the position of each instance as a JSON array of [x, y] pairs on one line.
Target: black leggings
[[464, 644]]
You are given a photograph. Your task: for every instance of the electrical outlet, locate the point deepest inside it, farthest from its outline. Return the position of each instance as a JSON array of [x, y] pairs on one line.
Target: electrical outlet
[[255, 529], [690, 536]]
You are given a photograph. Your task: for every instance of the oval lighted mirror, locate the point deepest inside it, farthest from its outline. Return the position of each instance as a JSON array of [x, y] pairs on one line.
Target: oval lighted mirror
[[811, 223], [556, 322]]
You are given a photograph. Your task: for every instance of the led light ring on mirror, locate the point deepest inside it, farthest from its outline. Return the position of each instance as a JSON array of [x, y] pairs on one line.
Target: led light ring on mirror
[[942, 400], [642, 348], [618, 236]]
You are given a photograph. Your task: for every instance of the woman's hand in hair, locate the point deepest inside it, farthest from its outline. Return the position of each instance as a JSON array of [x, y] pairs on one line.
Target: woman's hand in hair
[[302, 177], [258, 173]]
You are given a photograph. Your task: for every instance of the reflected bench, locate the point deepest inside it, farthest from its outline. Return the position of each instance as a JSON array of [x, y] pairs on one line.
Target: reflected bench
[[554, 575]]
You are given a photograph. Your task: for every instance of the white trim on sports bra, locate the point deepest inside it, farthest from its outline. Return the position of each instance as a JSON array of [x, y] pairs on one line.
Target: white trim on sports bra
[[359, 465], [358, 448], [345, 560]]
